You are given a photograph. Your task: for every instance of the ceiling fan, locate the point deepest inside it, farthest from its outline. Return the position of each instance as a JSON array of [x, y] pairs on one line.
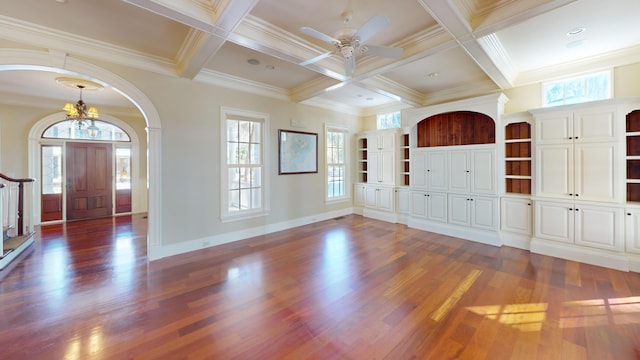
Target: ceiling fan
[[349, 41]]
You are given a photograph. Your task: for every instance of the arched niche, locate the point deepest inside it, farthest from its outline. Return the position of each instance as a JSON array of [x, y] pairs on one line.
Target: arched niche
[[456, 128]]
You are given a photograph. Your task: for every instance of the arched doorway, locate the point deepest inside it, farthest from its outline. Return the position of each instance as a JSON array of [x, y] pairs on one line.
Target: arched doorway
[[39, 142], [22, 59]]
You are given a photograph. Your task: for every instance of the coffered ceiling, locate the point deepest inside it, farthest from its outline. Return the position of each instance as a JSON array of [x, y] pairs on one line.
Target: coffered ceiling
[[452, 49]]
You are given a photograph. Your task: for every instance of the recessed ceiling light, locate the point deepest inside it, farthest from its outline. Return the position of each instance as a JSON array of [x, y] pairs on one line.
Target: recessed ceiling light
[[269, 67], [369, 98], [254, 61], [433, 74], [576, 31]]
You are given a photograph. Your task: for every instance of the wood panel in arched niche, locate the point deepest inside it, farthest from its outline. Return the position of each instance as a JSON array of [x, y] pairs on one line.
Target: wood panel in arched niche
[[456, 128]]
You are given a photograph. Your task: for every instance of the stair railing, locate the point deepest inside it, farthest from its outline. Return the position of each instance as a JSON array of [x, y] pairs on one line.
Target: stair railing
[[13, 205]]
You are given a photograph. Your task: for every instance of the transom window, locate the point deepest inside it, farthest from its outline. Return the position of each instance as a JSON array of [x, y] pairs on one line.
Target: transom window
[[243, 163], [388, 121], [576, 90], [96, 130]]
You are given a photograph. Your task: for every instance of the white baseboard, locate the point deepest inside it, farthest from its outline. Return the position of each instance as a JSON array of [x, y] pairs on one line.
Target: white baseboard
[[161, 251], [477, 235], [604, 258], [380, 215], [519, 241]]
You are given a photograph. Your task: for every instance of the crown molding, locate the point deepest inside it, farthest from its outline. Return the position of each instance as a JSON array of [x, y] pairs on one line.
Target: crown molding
[[78, 46], [233, 82]]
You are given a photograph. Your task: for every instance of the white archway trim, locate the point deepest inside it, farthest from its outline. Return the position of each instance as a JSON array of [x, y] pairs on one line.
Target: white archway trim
[[55, 61]]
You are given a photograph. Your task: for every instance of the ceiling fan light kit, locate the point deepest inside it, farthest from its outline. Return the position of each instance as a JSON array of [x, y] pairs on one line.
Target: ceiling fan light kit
[[348, 41]]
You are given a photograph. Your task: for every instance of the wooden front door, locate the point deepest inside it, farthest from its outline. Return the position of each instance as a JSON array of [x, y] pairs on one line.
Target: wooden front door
[[89, 180]]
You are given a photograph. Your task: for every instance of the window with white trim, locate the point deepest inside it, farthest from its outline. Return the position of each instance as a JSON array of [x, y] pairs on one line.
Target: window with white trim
[[388, 121], [244, 164], [336, 160], [596, 86]]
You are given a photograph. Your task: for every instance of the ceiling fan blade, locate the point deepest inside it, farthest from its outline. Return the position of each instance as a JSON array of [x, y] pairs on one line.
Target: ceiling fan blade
[[318, 35], [371, 27], [384, 51], [349, 65], [317, 58]]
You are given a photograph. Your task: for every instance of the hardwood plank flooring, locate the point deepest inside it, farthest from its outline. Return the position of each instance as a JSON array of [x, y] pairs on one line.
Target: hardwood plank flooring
[[347, 288]]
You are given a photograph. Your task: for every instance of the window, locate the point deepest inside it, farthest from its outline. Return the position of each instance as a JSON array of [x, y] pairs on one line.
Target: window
[[244, 168], [51, 169], [578, 90], [389, 121], [104, 131], [336, 147], [123, 168]]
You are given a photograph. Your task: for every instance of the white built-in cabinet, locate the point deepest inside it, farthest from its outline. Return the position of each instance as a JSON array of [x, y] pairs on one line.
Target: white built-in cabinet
[[594, 226], [632, 230], [379, 198], [381, 162], [429, 205], [475, 211], [578, 155]]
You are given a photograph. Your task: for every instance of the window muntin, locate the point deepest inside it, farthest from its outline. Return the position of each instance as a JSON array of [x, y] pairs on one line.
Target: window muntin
[[51, 169], [244, 168], [104, 131], [336, 160], [576, 90], [388, 121], [123, 168]]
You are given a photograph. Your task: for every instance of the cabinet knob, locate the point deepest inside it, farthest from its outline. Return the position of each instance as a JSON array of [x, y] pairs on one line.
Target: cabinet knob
[[528, 204], [428, 195], [577, 209], [570, 209], [570, 194], [576, 138], [629, 214], [468, 171], [570, 138], [577, 194]]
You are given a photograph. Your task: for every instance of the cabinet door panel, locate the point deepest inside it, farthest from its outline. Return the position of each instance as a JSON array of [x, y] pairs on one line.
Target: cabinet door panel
[[632, 230], [373, 167], [554, 171], [459, 171], [385, 199], [403, 201], [437, 204], [595, 171], [386, 167], [554, 221], [371, 196], [419, 204], [516, 216], [483, 213], [359, 198], [459, 209], [483, 172], [437, 170], [599, 227], [418, 169], [554, 128], [595, 125]]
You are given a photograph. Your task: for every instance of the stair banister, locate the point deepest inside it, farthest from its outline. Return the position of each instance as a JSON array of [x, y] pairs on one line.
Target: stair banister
[[20, 220]]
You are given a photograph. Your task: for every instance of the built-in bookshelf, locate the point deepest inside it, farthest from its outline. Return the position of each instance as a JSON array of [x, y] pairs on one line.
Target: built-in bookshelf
[[362, 159], [518, 158], [404, 161], [633, 156]]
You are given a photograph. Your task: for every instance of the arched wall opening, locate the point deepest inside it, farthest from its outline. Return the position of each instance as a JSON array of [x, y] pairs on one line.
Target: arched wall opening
[[21, 59]]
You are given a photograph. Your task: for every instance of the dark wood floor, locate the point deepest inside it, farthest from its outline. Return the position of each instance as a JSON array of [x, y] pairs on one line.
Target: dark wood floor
[[348, 288]]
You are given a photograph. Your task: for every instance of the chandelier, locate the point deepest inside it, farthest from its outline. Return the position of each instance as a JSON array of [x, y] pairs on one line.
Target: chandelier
[[80, 114]]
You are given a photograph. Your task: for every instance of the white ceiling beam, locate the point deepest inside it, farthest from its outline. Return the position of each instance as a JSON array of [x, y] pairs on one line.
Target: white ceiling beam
[[210, 27]]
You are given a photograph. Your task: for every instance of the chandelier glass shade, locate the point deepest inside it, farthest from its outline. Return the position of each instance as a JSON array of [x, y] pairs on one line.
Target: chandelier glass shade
[[80, 113]]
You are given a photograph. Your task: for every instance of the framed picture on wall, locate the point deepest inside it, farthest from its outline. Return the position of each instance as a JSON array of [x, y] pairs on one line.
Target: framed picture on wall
[[297, 152]]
